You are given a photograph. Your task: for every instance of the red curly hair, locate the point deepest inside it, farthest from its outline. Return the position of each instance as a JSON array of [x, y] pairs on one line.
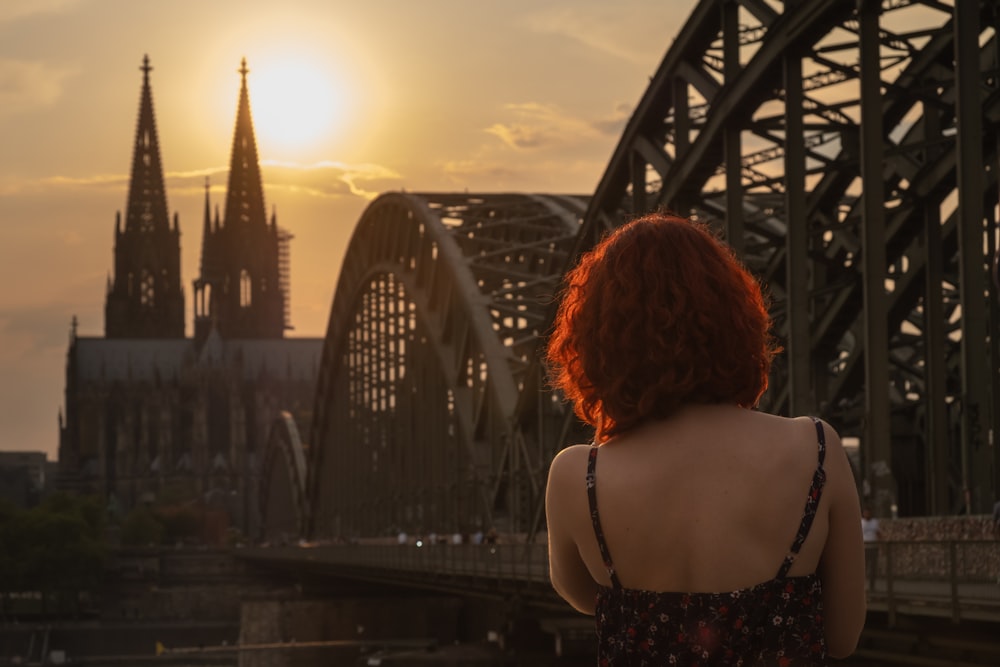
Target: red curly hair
[[659, 314]]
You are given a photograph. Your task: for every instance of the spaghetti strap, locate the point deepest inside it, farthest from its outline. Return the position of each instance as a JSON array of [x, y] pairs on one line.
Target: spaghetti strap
[[812, 502], [598, 532]]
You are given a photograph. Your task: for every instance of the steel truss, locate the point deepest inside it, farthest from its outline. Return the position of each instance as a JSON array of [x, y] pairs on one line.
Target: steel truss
[[282, 510], [437, 315], [848, 155]]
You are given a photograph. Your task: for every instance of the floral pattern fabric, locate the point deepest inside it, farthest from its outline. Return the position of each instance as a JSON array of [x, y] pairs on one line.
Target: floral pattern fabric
[[775, 623]]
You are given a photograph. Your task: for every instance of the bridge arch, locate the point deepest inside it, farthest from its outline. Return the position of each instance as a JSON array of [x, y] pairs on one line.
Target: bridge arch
[[282, 507], [806, 135], [438, 311]]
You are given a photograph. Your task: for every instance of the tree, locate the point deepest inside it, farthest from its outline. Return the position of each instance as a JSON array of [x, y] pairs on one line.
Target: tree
[[11, 564], [57, 548], [142, 528]]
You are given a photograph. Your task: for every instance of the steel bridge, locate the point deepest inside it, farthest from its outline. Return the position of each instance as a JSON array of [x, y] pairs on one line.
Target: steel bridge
[[847, 150]]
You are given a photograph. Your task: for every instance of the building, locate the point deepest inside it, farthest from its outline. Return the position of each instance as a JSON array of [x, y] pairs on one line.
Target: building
[[23, 477], [154, 416]]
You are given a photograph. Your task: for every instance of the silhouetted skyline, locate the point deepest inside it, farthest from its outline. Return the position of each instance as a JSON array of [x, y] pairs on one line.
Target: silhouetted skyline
[[418, 97]]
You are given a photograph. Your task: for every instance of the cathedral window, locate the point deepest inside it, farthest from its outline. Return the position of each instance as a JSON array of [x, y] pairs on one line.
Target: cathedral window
[[246, 289], [146, 218], [147, 289], [203, 299]]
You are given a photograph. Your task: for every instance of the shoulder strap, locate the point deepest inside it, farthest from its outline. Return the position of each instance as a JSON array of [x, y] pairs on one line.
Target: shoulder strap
[[598, 532], [812, 502]]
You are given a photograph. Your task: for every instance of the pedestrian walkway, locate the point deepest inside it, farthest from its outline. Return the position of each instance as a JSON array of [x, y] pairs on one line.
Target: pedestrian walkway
[[963, 600]]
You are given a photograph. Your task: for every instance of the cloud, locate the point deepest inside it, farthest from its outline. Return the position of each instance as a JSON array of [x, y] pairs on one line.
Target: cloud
[[27, 86], [614, 123], [320, 179], [331, 179], [542, 148], [12, 10], [114, 182], [610, 29], [464, 171], [543, 126], [490, 171], [518, 135]]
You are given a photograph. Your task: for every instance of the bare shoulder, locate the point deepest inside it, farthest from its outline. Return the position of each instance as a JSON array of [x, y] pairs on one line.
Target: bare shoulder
[[569, 462], [835, 461], [831, 439], [567, 475], [793, 426], [565, 495]]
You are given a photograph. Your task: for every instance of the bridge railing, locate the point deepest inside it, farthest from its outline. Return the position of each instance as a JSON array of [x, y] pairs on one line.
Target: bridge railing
[[956, 578], [523, 562], [504, 563]]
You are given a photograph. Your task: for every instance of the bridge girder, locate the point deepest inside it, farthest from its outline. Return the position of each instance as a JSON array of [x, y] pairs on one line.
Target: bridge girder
[[437, 314], [806, 145], [282, 506], [832, 148]]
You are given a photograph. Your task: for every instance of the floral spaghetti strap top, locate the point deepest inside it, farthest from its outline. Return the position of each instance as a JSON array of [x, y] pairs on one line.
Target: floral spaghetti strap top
[[775, 623]]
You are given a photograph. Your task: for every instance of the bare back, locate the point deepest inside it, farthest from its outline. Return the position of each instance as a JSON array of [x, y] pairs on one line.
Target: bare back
[[708, 501]]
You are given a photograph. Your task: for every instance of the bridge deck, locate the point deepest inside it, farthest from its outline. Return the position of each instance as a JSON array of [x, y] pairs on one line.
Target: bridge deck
[[523, 569]]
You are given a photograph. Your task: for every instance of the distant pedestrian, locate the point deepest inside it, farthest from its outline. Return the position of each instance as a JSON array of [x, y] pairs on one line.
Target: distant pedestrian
[[871, 533]]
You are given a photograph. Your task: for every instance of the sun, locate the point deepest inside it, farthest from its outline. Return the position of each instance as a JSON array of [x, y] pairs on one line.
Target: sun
[[294, 103]]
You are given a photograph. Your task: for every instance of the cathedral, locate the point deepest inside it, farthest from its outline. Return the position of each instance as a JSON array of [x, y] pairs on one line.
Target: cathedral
[[153, 416]]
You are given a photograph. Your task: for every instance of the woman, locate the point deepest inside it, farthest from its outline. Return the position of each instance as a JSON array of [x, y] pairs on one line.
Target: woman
[[704, 532]]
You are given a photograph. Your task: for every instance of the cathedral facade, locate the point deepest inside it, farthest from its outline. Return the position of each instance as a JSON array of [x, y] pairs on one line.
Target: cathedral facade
[[154, 416]]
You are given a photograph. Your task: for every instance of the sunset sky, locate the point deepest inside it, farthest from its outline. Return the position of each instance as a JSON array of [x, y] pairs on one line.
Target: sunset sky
[[349, 100]]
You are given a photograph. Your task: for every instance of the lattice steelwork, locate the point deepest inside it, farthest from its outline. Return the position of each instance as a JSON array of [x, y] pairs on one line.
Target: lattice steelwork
[[282, 509], [440, 306], [850, 155], [848, 150]]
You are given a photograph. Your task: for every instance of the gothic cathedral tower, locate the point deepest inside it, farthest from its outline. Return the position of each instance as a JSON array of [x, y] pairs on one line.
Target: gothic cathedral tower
[[242, 290], [145, 299]]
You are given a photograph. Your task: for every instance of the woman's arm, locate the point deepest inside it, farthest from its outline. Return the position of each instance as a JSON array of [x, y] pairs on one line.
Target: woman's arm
[[842, 565], [565, 504]]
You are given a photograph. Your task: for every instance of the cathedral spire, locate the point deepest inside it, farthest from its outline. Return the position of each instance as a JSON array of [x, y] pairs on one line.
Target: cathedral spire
[[206, 233], [240, 292], [145, 299], [147, 198], [245, 194]]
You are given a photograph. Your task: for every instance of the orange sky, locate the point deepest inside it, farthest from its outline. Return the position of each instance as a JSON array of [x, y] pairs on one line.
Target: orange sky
[[442, 95]]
